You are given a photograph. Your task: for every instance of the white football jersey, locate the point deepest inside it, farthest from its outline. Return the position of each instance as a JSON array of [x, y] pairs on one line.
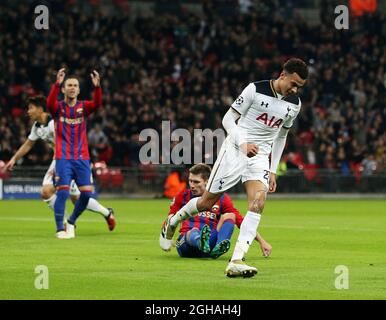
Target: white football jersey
[[46, 132], [263, 112]]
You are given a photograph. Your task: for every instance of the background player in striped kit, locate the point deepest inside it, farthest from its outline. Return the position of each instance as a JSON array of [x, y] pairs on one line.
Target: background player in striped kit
[[208, 234], [71, 146], [43, 128]]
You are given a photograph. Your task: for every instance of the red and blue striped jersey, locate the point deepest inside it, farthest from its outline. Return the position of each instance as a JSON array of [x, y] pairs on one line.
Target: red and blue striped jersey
[[211, 218], [70, 124]]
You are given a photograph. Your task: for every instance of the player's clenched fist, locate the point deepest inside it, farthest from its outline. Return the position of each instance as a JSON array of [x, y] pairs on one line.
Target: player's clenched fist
[[95, 78], [250, 149], [60, 76]]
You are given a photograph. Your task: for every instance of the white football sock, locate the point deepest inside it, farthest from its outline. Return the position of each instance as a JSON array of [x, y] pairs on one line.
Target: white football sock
[[247, 234], [95, 206], [187, 211], [51, 201]]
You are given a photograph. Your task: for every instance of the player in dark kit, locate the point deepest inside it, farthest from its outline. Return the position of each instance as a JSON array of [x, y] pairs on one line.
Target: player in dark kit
[[71, 146]]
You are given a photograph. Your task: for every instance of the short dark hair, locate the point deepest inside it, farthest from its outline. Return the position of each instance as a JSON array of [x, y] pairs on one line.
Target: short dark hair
[[39, 101], [298, 66], [202, 169], [72, 76]]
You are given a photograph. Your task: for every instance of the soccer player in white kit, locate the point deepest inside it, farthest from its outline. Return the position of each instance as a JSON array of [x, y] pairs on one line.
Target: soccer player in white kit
[[44, 128], [257, 125]]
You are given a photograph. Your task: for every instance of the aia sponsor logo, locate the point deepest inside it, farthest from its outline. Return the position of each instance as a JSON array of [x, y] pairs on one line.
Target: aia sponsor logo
[[272, 122]]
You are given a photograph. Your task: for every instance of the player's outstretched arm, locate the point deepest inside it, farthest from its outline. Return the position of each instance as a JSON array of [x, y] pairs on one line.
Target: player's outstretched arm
[[21, 152], [229, 123], [240, 107], [60, 76], [95, 78], [52, 102], [91, 106], [265, 247], [277, 151]]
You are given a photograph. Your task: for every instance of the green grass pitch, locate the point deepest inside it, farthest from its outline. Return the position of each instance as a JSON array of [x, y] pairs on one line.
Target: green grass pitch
[[309, 239]]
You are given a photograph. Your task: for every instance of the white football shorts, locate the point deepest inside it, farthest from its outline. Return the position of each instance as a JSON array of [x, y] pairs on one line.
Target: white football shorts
[[232, 165]]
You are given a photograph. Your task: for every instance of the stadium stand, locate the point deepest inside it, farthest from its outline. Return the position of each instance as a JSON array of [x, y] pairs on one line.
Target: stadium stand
[[187, 68]]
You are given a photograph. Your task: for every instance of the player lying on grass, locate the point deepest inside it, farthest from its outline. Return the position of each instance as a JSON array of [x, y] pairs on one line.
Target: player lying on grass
[[207, 234], [43, 128], [257, 125]]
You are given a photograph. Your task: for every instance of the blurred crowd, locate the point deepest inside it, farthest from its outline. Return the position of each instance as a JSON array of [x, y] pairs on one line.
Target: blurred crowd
[[188, 68]]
